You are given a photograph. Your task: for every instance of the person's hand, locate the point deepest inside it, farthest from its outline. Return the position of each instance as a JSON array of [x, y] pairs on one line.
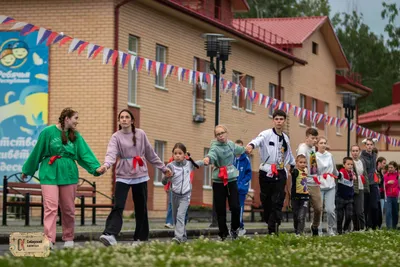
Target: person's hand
[[102, 169], [23, 176], [249, 148], [206, 160], [168, 173], [391, 182]]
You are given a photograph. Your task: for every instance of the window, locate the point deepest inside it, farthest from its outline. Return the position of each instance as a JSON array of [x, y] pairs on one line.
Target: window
[[132, 74], [314, 109], [235, 95], [302, 106], [249, 85], [315, 48], [326, 112], [159, 149], [338, 115], [206, 86], [207, 172], [272, 88], [161, 56]]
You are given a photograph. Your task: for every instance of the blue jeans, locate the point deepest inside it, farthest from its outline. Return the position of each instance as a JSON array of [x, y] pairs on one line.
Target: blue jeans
[[169, 211], [392, 212], [242, 198]]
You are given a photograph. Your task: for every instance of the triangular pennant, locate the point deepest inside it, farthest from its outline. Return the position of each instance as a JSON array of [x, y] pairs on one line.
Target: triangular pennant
[[105, 55], [82, 47], [97, 51], [25, 27], [133, 61], [51, 38], [158, 65], [6, 20], [114, 57]]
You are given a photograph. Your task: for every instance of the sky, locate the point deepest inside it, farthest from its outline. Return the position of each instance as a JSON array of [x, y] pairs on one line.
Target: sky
[[371, 9]]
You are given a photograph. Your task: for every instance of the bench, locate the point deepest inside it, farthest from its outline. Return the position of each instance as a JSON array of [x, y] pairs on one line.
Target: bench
[[26, 190], [254, 208]]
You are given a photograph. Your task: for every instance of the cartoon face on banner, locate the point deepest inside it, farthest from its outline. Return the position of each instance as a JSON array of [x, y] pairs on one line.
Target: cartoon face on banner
[[23, 97]]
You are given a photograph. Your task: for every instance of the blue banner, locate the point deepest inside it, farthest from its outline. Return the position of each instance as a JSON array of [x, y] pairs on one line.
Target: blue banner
[[24, 78]]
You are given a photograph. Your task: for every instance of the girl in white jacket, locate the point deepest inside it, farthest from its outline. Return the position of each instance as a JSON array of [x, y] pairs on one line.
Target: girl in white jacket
[[327, 173]]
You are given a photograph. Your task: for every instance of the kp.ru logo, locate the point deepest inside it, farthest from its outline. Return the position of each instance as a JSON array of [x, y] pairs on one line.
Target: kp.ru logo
[[13, 53]]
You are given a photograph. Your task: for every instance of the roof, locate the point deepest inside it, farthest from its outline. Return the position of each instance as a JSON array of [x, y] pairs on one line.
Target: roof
[[351, 84], [232, 30], [297, 30], [386, 114]]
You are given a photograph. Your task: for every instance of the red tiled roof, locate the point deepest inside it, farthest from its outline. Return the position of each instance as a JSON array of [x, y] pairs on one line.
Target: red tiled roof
[[389, 113], [295, 30]]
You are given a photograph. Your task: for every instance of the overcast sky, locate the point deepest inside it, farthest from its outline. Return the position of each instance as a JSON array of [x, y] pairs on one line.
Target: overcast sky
[[371, 10]]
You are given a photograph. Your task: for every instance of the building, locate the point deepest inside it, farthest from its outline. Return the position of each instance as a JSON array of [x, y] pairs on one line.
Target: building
[[385, 121], [268, 57]]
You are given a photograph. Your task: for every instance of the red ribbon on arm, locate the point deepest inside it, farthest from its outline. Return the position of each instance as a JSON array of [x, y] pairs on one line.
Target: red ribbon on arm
[[167, 186], [274, 170], [53, 158], [363, 179], [223, 174], [315, 178], [137, 160], [325, 175]]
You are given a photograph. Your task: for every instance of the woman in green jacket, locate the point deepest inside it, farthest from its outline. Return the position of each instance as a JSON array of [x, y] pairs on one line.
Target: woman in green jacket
[[221, 155], [56, 150]]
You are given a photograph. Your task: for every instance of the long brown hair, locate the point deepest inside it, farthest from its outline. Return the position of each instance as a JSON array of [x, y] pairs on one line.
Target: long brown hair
[[67, 113], [132, 125]]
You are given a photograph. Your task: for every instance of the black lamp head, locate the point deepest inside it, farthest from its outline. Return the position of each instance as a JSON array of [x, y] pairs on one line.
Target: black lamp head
[[211, 43]]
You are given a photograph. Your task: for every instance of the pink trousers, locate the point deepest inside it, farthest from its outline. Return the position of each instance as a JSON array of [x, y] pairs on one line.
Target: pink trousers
[[53, 196]]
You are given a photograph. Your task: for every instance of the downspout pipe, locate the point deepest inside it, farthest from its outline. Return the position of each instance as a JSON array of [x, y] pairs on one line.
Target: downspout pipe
[[116, 66], [387, 134], [280, 78]]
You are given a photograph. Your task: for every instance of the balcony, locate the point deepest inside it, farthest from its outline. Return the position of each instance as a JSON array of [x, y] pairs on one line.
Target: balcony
[[220, 12]]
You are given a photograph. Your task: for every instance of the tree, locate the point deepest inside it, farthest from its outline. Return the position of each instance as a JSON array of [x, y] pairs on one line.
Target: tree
[[369, 56], [390, 12]]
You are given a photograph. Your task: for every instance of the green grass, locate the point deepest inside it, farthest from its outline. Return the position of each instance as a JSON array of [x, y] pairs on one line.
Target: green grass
[[379, 248]]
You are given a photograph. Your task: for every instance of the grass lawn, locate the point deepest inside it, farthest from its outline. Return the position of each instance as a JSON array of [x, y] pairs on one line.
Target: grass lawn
[[379, 248]]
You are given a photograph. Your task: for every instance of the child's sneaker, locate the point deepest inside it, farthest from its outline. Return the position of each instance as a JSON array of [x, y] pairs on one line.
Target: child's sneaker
[[331, 232], [108, 240], [314, 231], [234, 234], [69, 244], [242, 231], [176, 240], [169, 226]]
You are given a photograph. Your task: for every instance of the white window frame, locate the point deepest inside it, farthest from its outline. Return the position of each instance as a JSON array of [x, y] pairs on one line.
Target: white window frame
[[249, 85], [132, 74], [271, 93], [302, 106], [159, 145], [235, 98], [161, 56], [207, 178], [206, 86], [339, 116], [326, 112], [314, 109]]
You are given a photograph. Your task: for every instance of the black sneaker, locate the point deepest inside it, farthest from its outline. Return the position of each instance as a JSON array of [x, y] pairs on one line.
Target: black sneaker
[[314, 231], [234, 234]]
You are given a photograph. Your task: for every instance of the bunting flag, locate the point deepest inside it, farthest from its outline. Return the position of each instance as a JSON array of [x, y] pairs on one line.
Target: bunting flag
[[6, 20], [165, 70]]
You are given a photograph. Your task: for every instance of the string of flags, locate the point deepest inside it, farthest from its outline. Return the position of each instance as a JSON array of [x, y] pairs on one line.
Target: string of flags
[[137, 63]]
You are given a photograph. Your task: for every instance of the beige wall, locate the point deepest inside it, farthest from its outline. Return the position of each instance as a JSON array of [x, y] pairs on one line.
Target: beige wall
[[74, 81]]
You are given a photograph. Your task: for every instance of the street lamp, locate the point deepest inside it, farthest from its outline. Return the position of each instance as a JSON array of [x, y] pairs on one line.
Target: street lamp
[[219, 48], [349, 104]]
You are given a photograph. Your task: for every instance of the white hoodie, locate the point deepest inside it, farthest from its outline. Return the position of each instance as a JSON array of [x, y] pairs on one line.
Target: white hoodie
[[326, 164]]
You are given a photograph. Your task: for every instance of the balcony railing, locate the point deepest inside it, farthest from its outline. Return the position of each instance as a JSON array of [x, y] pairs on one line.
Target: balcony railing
[[352, 76], [225, 16]]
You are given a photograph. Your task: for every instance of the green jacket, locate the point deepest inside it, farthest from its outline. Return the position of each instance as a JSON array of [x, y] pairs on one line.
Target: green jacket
[[64, 170], [223, 154]]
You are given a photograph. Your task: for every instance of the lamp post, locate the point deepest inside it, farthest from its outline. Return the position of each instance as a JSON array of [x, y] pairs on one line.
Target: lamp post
[[349, 104], [219, 48]]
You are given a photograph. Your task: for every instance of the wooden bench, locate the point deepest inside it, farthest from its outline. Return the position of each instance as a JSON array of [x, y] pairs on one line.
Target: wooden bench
[[26, 190], [200, 214]]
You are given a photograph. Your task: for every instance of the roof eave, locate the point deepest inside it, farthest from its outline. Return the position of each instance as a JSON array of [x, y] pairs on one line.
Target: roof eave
[[340, 80]]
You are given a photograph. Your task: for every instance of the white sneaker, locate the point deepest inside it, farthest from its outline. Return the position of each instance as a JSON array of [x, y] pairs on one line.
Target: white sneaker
[[68, 244], [108, 240], [136, 243], [242, 232], [331, 232], [51, 245], [169, 226]]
